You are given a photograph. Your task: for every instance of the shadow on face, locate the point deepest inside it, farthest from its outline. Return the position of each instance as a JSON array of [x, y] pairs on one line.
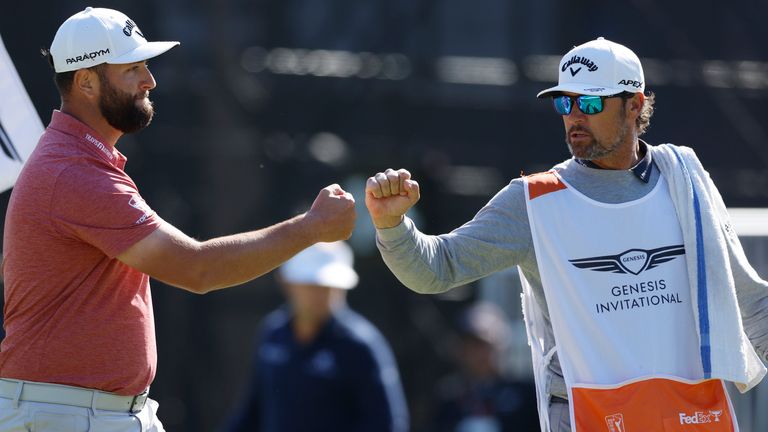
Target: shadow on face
[[313, 300]]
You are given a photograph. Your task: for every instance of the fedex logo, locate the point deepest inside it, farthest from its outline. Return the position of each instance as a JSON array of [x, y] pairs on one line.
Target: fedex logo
[[700, 417]]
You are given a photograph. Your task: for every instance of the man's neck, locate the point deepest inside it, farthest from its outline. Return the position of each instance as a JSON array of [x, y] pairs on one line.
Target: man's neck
[[306, 328], [92, 117], [623, 158]]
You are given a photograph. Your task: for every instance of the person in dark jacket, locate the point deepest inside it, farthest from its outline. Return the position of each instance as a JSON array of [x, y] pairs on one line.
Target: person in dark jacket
[[318, 365]]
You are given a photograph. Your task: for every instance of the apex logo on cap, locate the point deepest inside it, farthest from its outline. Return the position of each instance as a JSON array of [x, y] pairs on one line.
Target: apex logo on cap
[[128, 29], [591, 66], [633, 83]]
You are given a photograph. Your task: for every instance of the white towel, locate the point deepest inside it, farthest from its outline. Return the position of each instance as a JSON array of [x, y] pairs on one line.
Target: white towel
[[726, 352]]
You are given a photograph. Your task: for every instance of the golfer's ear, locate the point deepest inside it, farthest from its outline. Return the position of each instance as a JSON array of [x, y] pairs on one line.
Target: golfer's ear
[[86, 83], [635, 104]]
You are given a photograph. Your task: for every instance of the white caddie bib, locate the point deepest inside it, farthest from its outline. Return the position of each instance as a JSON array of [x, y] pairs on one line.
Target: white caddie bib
[[618, 294]]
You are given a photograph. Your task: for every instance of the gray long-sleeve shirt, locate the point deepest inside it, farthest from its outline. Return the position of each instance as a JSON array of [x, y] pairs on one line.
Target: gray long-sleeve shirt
[[499, 236]]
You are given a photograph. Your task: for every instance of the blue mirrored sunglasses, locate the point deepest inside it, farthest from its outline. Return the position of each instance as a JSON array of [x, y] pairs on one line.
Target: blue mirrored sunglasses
[[589, 105]]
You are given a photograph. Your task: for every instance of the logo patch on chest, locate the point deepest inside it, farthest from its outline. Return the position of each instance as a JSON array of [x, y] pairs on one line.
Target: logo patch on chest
[[632, 261]]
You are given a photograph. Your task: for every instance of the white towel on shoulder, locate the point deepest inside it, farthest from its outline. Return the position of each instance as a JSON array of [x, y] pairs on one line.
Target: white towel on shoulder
[[726, 352]]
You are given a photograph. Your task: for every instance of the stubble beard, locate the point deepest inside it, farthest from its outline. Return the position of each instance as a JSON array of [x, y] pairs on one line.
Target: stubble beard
[[596, 149]]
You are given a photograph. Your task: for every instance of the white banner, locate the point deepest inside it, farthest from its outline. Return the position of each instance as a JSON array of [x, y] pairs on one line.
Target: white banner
[[20, 126]]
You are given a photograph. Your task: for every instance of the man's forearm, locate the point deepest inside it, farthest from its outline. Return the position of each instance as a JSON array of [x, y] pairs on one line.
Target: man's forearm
[[235, 259], [169, 255], [412, 258]]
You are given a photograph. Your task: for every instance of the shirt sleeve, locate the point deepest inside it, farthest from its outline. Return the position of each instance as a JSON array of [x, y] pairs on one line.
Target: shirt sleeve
[[100, 205], [498, 237]]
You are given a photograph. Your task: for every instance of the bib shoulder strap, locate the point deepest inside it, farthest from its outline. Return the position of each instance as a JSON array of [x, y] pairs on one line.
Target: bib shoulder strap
[[543, 183]]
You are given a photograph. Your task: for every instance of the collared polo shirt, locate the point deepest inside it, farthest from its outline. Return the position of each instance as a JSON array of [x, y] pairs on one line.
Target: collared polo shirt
[[74, 314], [642, 169]]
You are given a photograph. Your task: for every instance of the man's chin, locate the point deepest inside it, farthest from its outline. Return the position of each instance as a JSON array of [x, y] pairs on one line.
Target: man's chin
[[133, 127], [581, 151], [138, 128]]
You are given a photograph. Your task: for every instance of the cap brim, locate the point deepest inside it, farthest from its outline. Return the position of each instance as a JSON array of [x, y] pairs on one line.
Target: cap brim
[[144, 52], [337, 276], [330, 275], [583, 89]]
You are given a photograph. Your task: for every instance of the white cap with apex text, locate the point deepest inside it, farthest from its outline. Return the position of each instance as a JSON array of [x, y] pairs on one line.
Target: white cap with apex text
[[99, 35], [599, 68]]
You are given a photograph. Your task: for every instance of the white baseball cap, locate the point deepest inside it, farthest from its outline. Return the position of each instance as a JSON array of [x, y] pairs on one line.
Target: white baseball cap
[[599, 68], [323, 264], [99, 35]]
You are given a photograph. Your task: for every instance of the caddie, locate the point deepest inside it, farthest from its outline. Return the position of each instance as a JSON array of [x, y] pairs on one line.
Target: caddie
[[638, 298]]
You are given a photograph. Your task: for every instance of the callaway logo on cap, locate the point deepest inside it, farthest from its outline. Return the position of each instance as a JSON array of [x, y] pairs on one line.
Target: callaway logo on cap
[[599, 68], [98, 35]]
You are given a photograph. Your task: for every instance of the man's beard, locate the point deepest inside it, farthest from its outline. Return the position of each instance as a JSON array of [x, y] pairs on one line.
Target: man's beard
[[595, 149], [121, 110]]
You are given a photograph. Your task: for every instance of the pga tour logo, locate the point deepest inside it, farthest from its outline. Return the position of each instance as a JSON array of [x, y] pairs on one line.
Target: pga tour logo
[[700, 417], [615, 423], [142, 206]]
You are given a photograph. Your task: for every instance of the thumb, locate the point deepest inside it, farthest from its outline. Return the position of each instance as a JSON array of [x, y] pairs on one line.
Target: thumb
[[411, 186], [335, 189]]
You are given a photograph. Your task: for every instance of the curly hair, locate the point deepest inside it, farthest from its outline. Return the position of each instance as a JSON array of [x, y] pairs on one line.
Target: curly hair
[[644, 119]]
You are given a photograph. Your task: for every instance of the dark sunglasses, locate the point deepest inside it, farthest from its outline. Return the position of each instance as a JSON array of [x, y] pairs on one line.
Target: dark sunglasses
[[589, 105]]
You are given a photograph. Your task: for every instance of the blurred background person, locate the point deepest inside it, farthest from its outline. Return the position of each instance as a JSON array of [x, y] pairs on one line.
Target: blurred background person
[[478, 397], [318, 365]]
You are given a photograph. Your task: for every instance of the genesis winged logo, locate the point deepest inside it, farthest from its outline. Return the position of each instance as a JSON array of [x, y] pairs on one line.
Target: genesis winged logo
[[633, 261]]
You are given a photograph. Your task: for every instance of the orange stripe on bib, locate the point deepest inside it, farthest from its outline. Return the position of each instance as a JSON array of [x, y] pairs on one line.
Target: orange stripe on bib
[[543, 183], [656, 404]]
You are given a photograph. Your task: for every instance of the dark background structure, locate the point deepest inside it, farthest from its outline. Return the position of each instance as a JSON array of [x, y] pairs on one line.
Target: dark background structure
[[265, 102]]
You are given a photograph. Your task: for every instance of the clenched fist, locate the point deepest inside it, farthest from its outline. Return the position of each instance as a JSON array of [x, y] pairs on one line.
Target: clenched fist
[[389, 195], [332, 215]]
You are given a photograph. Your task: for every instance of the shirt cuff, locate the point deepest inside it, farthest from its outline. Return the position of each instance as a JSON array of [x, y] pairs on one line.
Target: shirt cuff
[[396, 232]]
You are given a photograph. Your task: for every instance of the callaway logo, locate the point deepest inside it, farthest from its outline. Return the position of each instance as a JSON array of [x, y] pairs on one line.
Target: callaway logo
[[129, 27], [576, 60], [632, 261], [7, 146], [615, 423], [88, 56]]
